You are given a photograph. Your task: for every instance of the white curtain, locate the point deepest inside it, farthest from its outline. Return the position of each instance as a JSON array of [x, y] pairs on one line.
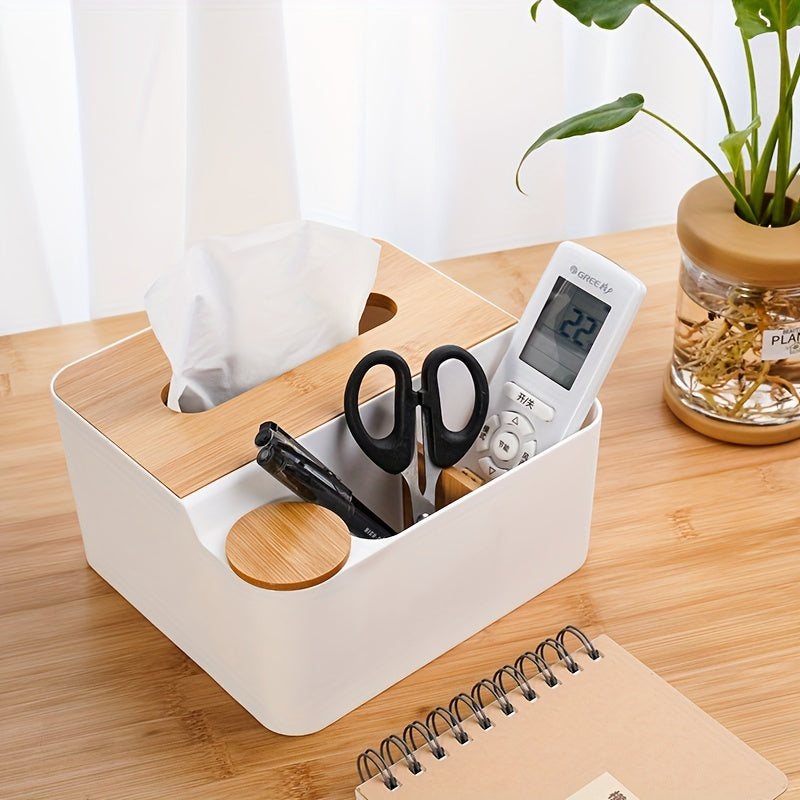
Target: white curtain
[[130, 128]]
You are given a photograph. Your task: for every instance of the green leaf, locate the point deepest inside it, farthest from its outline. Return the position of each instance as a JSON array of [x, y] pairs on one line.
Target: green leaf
[[534, 9], [603, 118], [755, 17], [608, 14], [733, 144]]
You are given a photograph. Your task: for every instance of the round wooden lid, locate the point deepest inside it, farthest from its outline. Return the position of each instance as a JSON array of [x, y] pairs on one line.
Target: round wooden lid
[[287, 546], [717, 239]]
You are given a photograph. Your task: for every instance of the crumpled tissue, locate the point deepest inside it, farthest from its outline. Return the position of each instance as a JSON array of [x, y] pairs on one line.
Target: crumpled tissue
[[238, 310]]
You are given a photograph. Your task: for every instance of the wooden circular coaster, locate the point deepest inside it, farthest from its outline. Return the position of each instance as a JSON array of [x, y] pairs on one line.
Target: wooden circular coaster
[[287, 545]]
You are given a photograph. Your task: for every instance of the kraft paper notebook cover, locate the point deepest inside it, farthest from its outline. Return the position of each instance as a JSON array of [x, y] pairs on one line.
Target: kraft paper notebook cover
[[610, 730]]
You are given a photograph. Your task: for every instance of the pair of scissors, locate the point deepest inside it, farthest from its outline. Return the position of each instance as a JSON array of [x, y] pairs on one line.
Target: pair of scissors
[[396, 453]]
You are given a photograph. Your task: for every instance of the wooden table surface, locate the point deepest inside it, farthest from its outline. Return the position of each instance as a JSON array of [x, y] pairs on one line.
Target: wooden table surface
[[694, 566]]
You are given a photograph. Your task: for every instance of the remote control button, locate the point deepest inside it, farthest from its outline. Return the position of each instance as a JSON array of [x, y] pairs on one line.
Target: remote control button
[[528, 401], [517, 422], [489, 468], [484, 437], [505, 446], [528, 451]]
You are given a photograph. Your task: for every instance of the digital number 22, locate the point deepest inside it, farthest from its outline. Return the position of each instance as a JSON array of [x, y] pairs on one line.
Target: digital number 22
[[579, 328]]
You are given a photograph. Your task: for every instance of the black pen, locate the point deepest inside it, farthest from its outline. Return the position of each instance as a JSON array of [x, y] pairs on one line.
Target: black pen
[[299, 470]]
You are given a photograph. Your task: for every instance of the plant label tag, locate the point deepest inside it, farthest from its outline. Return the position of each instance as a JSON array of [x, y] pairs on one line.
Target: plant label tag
[[780, 343], [606, 787]]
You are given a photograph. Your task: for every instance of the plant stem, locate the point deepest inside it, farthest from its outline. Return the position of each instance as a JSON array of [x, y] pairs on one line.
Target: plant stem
[[741, 200], [759, 178], [785, 118], [766, 213], [795, 214], [738, 170], [706, 63], [752, 142]]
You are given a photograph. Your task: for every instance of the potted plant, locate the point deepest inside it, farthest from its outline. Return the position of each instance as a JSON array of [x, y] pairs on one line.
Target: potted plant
[[735, 369]]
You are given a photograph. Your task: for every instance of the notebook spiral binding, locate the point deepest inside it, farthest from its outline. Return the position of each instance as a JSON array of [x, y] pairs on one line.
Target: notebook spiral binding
[[491, 690]]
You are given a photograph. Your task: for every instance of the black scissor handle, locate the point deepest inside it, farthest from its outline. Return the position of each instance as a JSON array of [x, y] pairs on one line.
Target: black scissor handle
[[393, 452], [444, 446]]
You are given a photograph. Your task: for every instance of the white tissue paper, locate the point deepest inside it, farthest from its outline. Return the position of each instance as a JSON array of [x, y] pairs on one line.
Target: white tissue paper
[[238, 310]]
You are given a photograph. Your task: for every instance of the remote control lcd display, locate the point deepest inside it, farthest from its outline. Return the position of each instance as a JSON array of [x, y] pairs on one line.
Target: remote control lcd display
[[564, 332]]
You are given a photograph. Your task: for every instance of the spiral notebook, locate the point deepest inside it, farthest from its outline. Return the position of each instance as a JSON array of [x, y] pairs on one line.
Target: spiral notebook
[[602, 726]]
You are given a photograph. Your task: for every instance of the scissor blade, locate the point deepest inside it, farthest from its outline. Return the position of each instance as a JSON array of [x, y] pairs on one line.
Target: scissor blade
[[421, 504], [432, 473]]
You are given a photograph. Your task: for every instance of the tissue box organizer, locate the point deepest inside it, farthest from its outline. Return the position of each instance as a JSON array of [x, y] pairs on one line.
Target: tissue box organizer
[[157, 493]]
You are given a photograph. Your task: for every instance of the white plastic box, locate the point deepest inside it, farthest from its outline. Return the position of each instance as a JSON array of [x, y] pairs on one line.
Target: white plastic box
[[289, 657]]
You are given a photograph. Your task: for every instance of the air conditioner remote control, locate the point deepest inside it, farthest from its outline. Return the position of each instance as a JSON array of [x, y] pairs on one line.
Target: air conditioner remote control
[[560, 353]]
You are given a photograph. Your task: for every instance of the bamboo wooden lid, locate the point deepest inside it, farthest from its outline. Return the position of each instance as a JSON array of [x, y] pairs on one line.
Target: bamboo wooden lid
[[118, 390], [287, 546], [715, 238]]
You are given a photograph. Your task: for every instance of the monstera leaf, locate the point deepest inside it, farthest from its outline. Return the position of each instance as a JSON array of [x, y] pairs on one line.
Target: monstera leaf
[[608, 14], [755, 17]]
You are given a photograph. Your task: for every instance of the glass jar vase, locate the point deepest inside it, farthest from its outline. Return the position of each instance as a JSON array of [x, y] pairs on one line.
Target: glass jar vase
[[735, 368]]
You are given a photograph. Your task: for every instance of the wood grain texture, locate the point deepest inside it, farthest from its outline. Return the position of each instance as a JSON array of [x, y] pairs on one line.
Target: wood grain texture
[[120, 390], [287, 546], [693, 566]]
